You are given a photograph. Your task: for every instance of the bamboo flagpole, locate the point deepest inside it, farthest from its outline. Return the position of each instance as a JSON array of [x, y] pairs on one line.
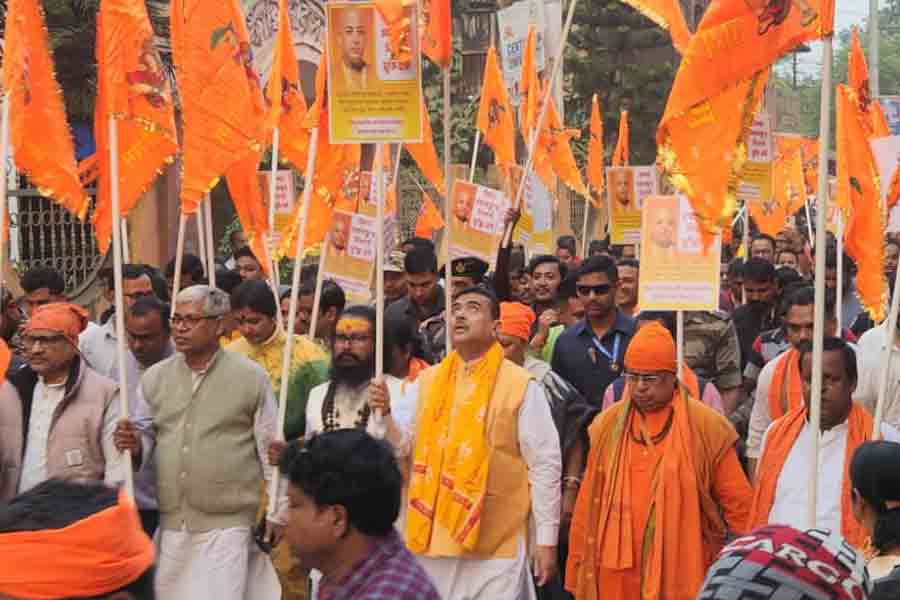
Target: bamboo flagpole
[[679, 341], [815, 404], [119, 295], [274, 282], [201, 238], [4, 156], [126, 247], [474, 155], [210, 240], [302, 218], [179, 259], [746, 241], [378, 418], [584, 228], [448, 209], [839, 296], [320, 280]]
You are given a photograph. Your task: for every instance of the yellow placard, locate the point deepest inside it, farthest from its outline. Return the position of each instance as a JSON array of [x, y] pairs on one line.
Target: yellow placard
[[372, 97], [626, 189], [535, 227], [676, 272], [476, 225]]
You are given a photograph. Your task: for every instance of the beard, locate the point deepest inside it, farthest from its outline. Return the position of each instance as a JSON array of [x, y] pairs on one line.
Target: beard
[[353, 373]]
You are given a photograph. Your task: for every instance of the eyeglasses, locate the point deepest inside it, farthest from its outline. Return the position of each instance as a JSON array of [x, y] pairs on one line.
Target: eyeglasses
[[188, 321], [648, 378], [30, 341], [599, 290], [354, 339]]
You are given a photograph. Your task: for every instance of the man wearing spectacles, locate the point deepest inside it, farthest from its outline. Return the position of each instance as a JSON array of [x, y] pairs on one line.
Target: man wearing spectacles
[[207, 416], [61, 423], [589, 354]]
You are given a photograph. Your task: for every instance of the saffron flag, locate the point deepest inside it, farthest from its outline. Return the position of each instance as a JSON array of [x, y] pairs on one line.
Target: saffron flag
[[284, 97], [425, 154], [495, 117], [437, 33], [667, 14], [789, 185], [858, 77], [622, 151], [39, 133], [553, 152], [395, 14], [529, 88], [132, 88], [429, 219], [717, 90], [857, 183], [243, 187], [221, 96], [595, 168]]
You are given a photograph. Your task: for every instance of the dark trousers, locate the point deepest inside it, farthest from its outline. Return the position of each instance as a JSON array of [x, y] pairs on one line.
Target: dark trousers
[[149, 521]]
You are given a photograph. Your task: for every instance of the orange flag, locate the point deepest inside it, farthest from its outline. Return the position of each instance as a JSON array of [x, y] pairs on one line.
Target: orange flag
[[133, 88], [789, 186], [437, 34], [284, 98], [495, 117], [221, 97], [246, 195], [595, 169], [667, 14], [429, 220], [717, 90], [395, 14], [39, 133], [529, 88], [621, 152], [858, 78], [769, 216], [553, 152], [425, 154], [857, 183]]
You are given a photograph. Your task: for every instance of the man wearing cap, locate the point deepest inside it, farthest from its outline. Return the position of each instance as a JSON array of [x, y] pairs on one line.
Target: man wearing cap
[[61, 425], [663, 485], [394, 278], [465, 272]]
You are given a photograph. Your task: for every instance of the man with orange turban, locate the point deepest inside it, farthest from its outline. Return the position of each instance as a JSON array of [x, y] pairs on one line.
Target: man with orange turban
[[662, 486], [571, 415], [61, 424]]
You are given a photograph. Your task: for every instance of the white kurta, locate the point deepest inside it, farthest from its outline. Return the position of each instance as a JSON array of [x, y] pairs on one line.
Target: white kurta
[[510, 578], [791, 492], [870, 354]]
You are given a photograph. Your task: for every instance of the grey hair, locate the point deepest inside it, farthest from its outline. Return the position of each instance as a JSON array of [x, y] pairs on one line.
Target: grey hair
[[213, 302]]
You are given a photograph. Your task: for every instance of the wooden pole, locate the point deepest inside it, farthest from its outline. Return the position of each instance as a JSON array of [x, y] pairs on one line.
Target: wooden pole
[[448, 209], [201, 238], [270, 249], [809, 227], [746, 237], [584, 229], [474, 155], [839, 297], [179, 258], [126, 247], [378, 418], [815, 404], [679, 341], [119, 295], [320, 279], [210, 240], [302, 218], [4, 156]]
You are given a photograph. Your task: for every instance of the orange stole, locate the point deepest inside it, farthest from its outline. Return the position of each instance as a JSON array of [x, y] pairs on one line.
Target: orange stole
[[682, 512], [779, 441], [785, 391]]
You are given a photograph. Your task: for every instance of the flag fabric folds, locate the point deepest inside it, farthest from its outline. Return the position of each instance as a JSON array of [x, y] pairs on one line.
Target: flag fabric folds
[[789, 186], [667, 14], [717, 90], [858, 78], [395, 14], [132, 88], [246, 195], [529, 88], [429, 219], [495, 117], [221, 97], [622, 150], [553, 152], [425, 154], [437, 32], [39, 133], [595, 160]]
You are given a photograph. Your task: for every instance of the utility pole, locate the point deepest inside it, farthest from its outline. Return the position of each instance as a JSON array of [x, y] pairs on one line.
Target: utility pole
[[873, 48]]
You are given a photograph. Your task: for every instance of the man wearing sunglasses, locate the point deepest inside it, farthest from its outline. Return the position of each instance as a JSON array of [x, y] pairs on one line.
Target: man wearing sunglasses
[[589, 354]]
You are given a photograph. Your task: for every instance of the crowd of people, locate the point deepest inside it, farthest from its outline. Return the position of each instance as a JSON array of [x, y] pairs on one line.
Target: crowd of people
[[557, 450]]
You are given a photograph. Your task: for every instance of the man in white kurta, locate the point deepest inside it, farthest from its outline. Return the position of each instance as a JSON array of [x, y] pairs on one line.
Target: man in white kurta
[[476, 408], [870, 351]]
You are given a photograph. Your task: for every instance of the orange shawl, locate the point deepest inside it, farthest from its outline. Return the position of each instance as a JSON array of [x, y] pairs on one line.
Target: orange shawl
[[683, 513], [786, 389], [779, 441]]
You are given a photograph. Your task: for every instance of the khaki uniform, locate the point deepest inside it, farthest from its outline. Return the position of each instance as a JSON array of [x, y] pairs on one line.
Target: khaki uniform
[[711, 348]]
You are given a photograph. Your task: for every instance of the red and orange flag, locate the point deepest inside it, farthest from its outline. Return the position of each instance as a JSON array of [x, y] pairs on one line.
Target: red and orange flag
[[857, 189], [596, 159], [667, 14], [437, 32], [132, 88], [495, 117], [621, 153], [429, 219], [39, 133], [717, 90], [221, 97], [425, 154], [284, 97], [529, 88]]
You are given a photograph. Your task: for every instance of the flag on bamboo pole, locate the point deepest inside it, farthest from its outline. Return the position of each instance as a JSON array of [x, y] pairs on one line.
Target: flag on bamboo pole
[[789, 185], [857, 182], [429, 219], [495, 117], [221, 97], [39, 132], [858, 77], [132, 88], [425, 154], [667, 14], [529, 88], [553, 155], [718, 88], [769, 216], [246, 195], [437, 32], [595, 169], [284, 97], [621, 153]]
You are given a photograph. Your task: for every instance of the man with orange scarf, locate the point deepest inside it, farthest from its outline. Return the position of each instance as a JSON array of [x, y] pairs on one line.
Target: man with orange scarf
[[485, 456], [781, 483], [662, 485]]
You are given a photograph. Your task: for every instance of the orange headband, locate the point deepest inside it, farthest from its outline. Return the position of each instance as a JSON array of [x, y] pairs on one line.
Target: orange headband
[[97, 555]]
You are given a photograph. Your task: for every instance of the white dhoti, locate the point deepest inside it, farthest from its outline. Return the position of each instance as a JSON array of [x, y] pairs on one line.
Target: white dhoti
[[222, 564]]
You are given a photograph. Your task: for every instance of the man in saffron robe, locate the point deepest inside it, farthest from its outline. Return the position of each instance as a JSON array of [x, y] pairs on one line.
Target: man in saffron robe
[[782, 477], [663, 482]]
